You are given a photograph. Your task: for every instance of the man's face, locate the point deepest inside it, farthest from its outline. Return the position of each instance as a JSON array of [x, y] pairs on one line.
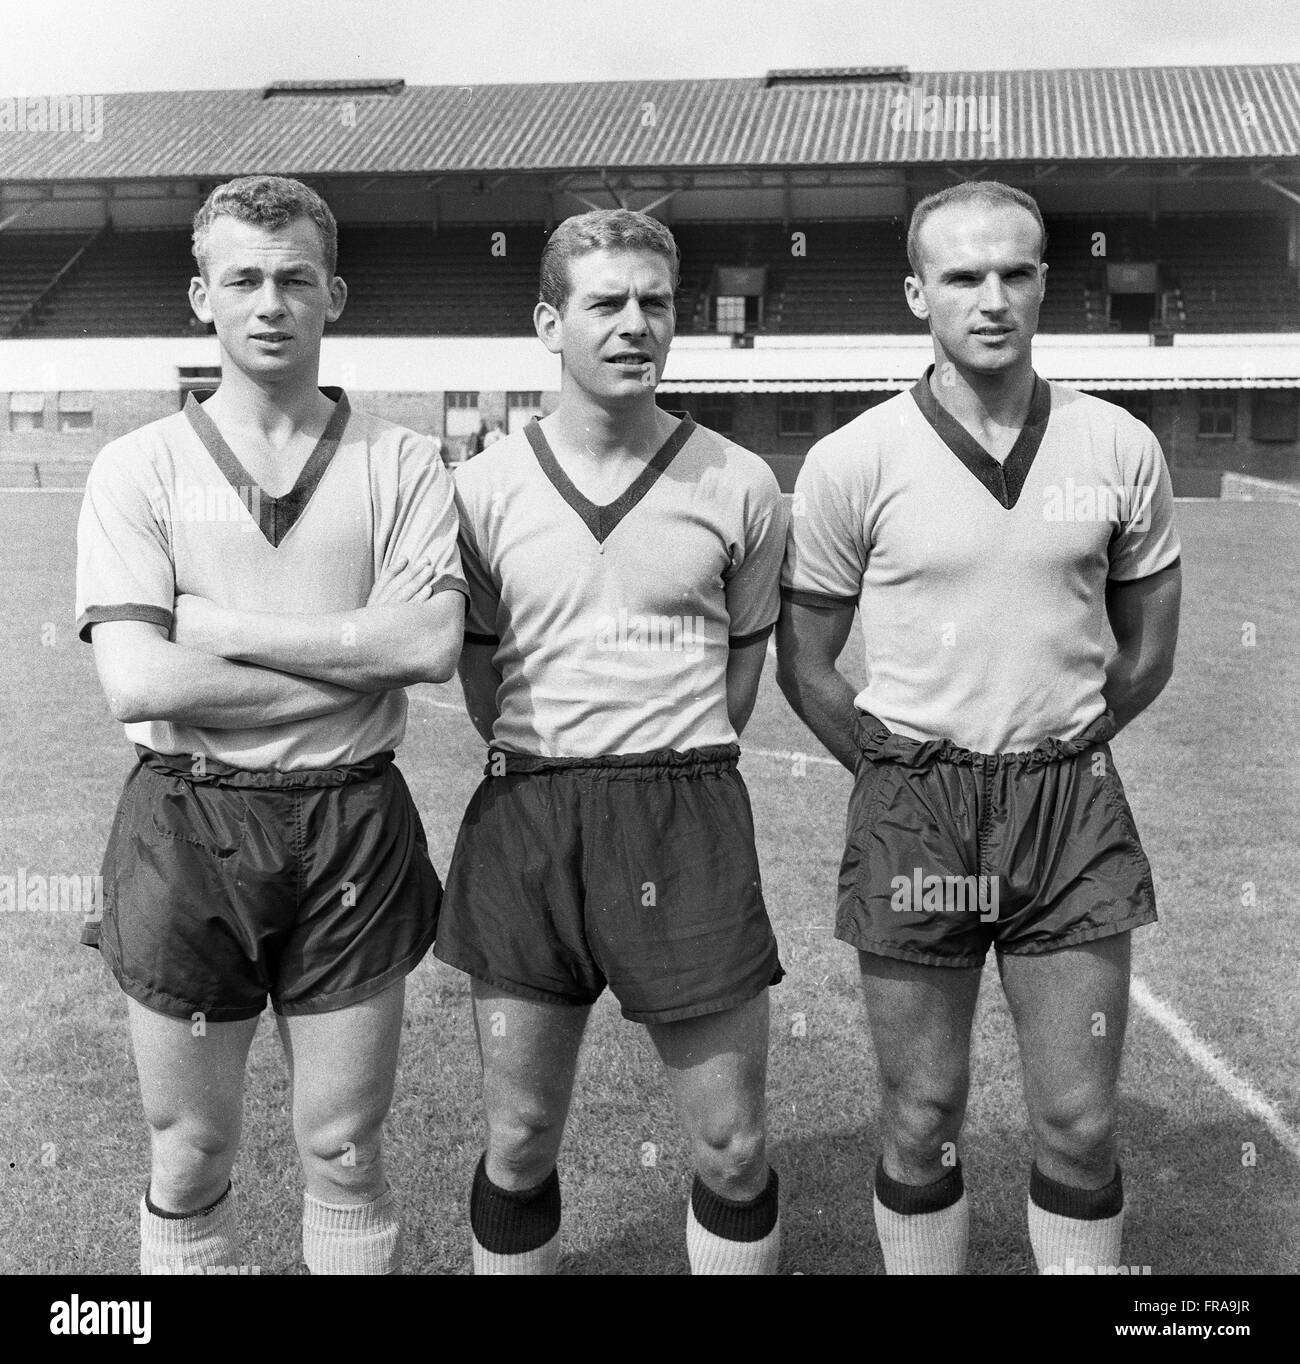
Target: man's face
[[268, 294], [981, 284], [617, 325]]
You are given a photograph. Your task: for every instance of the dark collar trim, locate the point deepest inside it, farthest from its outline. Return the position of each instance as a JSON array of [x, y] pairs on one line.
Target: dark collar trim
[[275, 516], [1005, 481], [601, 521]]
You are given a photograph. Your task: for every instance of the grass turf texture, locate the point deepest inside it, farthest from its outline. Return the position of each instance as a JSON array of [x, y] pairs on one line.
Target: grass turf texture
[[1210, 773]]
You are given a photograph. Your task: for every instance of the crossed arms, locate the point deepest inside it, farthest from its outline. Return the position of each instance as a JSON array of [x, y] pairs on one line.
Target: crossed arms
[[231, 669]]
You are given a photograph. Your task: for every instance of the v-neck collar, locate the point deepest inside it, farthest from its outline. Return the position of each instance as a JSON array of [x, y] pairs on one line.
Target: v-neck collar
[[1005, 481], [601, 521], [275, 516]]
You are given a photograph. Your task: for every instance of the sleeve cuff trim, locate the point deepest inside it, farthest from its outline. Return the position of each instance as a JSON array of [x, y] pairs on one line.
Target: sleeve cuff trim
[[801, 598], [740, 641], [99, 615], [450, 583], [1164, 568]]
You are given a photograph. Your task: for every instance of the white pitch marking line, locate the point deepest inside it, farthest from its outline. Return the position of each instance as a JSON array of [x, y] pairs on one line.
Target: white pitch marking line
[[784, 757], [1215, 1067], [442, 705]]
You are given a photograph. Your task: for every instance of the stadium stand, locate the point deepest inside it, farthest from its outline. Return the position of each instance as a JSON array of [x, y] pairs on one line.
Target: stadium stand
[[1220, 274], [1170, 195]]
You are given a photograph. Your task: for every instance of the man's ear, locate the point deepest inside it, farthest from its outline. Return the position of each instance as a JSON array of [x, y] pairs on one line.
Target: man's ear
[[1042, 280], [338, 297], [549, 323], [199, 299], [915, 295]]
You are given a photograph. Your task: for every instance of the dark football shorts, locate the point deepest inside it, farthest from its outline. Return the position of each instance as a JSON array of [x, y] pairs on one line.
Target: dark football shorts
[[634, 870], [949, 851], [313, 887]]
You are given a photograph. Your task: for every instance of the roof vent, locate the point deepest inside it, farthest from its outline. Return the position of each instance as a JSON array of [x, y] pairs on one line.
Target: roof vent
[[343, 87], [837, 75]]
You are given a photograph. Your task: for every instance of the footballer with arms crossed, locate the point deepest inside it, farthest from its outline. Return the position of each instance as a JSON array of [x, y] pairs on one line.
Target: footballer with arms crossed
[[980, 741], [624, 570], [260, 576]]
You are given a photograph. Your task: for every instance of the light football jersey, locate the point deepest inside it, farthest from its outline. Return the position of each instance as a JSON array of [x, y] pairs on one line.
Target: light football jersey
[[169, 509], [612, 625], [981, 585]]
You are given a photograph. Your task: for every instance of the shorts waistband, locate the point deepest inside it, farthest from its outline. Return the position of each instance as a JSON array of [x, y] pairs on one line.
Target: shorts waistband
[[878, 742], [201, 770], [692, 762]]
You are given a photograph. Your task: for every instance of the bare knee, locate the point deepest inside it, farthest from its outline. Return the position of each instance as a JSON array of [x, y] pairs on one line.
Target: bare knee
[[191, 1162], [522, 1147], [730, 1153], [1077, 1131], [342, 1156], [922, 1127]]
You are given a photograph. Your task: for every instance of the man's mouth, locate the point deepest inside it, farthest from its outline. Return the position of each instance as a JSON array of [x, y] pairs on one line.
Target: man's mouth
[[993, 331], [272, 336], [629, 357]]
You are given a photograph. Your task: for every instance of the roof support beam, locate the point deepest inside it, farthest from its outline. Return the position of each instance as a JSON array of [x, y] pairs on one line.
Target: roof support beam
[[1280, 189]]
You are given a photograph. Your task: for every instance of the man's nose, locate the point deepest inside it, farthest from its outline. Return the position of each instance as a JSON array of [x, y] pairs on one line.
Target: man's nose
[[270, 300], [993, 297], [632, 322]]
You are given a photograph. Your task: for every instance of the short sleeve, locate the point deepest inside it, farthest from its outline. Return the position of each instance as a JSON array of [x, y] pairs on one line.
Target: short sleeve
[[826, 555], [426, 525], [1147, 540], [125, 569], [753, 586], [484, 593]]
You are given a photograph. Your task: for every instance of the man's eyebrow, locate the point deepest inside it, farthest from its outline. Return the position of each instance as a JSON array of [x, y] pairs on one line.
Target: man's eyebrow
[[957, 271], [621, 296], [298, 267]]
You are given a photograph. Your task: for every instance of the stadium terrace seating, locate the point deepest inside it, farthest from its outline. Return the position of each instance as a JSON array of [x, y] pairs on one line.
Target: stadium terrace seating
[[1225, 273], [127, 284], [28, 262], [411, 281]]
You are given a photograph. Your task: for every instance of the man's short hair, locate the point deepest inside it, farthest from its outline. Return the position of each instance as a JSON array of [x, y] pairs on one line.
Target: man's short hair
[[271, 201], [987, 192], [603, 229]]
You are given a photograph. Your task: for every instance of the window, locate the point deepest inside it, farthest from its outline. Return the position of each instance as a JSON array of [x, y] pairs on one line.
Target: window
[[729, 313], [462, 419], [75, 412], [795, 415], [521, 408], [1216, 414], [850, 405], [1275, 414], [26, 411], [717, 411]]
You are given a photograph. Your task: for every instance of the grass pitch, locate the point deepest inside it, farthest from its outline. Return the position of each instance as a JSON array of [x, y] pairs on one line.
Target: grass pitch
[[1211, 773]]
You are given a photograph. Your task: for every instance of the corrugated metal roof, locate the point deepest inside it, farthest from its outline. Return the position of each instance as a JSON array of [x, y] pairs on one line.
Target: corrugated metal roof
[[1104, 114]]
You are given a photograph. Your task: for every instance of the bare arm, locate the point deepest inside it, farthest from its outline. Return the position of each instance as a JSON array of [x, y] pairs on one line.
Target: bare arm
[[1144, 618], [375, 648], [147, 677], [744, 672], [809, 641], [480, 680]]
